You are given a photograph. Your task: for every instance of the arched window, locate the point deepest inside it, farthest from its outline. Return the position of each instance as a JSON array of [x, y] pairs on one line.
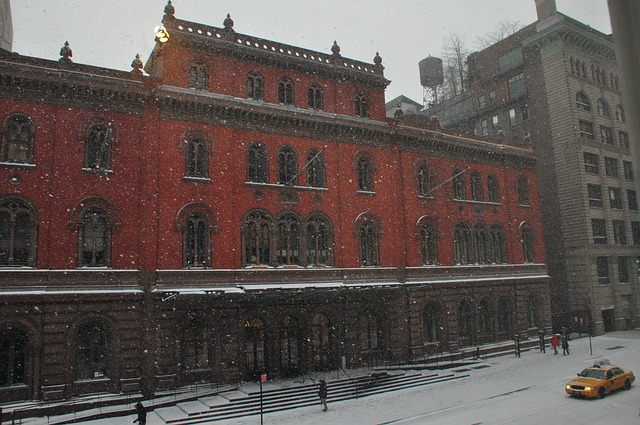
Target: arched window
[[522, 186], [459, 185], [287, 166], [477, 192], [257, 163], [18, 232], [196, 240], [465, 320], [480, 243], [255, 345], [532, 311], [365, 174], [461, 243], [290, 346], [368, 238], [504, 316], [94, 237], [255, 86], [195, 346], [432, 324], [257, 228], [369, 332], [92, 351], [603, 108], [582, 101], [423, 175], [285, 91], [288, 240], [361, 105], [428, 242], [578, 69], [493, 188], [573, 65], [14, 356], [527, 238], [197, 160], [315, 97], [320, 342], [316, 169], [319, 241], [98, 143], [620, 113], [485, 325], [198, 76], [497, 245], [18, 136]]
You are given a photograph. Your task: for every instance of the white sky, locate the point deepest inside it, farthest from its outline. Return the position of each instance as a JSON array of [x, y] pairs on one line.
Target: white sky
[[110, 33]]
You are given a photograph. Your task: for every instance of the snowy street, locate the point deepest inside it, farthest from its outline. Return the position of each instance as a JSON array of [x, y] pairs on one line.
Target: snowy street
[[511, 390]]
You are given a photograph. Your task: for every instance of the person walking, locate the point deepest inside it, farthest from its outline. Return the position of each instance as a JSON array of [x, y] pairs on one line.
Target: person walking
[[565, 345], [555, 343], [322, 393], [142, 414]]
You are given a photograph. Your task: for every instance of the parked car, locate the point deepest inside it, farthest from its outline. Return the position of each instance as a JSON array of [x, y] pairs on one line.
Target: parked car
[[599, 380]]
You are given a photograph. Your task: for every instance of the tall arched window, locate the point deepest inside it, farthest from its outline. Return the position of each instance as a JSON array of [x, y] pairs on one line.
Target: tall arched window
[[603, 107], [432, 324], [477, 192], [465, 320], [256, 228], [285, 92], [14, 356], [287, 166], [361, 105], [485, 325], [98, 143], [480, 243], [493, 188], [459, 185], [423, 175], [522, 186], [255, 345], [290, 346], [497, 244], [316, 169], [196, 240], [369, 332], [315, 97], [288, 240], [198, 76], [320, 342], [257, 163], [582, 101], [195, 346], [197, 159], [532, 311], [94, 237], [368, 236], [461, 243], [428, 242], [527, 238], [18, 136], [319, 241], [620, 113], [18, 232], [255, 86], [92, 351], [365, 174]]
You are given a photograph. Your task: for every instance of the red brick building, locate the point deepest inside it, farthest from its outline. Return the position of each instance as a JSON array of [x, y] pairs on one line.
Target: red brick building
[[245, 207]]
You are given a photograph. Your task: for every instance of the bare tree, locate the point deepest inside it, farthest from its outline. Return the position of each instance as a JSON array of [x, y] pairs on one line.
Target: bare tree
[[504, 30], [455, 66]]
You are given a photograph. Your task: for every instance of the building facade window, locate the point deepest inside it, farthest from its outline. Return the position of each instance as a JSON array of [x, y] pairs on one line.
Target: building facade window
[[477, 192], [285, 92], [195, 347], [603, 108], [14, 356], [423, 177], [287, 166], [462, 243], [516, 86], [606, 135], [94, 237], [18, 139], [481, 102], [594, 194], [586, 129], [493, 188], [623, 270], [196, 240], [319, 237], [628, 170], [599, 230], [432, 324], [196, 158], [316, 169], [480, 241], [368, 239], [591, 163], [315, 97], [459, 185], [620, 113], [18, 232], [288, 240], [527, 238], [522, 187], [624, 139], [428, 242], [198, 76], [611, 166], [255, 347], [257, 163], [365, 174], [635, 232], [320, 342], [512, 117], [484, 127], [497, 244], [632, 200], [92, 352], [255, 86], [582, 101], [602, 270], [615, 198], [290, 346], [619, 232], [257, 239], [98, 145], [532, 311], [361, 105]]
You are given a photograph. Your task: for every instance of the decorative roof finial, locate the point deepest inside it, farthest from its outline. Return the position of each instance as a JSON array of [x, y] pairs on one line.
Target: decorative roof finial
[[169, 9], [66, 53], [377, 60], [335, 49], [228, 23], [137, 65]]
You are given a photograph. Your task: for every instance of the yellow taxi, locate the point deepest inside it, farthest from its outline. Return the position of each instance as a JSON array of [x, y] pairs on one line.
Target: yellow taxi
[[600, 380]]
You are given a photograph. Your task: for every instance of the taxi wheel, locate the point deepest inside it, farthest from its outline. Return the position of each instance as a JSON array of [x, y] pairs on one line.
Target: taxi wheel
[[627, 384], [601, 392]]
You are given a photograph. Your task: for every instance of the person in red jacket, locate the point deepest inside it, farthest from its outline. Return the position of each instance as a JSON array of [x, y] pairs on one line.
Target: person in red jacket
[[555, 343]]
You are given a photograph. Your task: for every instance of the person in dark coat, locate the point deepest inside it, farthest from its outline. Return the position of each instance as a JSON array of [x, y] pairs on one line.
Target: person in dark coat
[[565, 346], [142, 414], [555, 343], [322, 393]]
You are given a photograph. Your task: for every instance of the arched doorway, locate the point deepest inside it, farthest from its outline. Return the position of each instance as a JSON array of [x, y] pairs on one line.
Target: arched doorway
[[320, 343], [255, 343], [290, 347]]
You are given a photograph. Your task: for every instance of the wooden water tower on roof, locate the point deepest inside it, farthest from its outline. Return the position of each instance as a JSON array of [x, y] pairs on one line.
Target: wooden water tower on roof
[[431, 76]]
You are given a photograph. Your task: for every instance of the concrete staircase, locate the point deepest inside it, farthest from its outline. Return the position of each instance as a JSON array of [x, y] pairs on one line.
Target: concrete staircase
[[240, 403]]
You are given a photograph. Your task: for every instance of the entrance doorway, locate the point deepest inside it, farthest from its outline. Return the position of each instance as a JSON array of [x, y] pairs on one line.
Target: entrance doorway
[[609, 320]]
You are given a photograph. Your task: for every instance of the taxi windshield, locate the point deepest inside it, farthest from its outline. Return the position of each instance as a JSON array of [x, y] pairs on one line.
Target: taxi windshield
[[592, 373]]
